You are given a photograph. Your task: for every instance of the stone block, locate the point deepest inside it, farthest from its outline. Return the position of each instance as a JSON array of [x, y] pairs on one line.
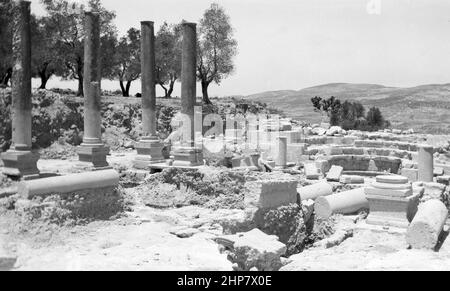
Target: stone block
[[256, 249], [311, 171], [392, 202], [295, 152], [411, 174], [335, 173], [444, 180], [20, 164], [94, 154], [293, 137], [187, 157], [149, 152], [438, 171], [270, 194], [323, 166], [434, 190], [352, 179]]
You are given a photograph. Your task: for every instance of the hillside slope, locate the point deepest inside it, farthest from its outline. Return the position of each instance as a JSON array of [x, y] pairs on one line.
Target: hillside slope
[[423, 108]]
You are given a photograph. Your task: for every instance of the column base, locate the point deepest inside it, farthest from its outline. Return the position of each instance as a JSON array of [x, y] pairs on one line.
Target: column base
[[149, 152], [392, 211], [20, 164], [187, 157], [93, 154]]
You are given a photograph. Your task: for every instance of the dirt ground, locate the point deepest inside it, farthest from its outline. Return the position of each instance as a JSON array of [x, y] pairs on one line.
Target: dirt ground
[[145, 238]]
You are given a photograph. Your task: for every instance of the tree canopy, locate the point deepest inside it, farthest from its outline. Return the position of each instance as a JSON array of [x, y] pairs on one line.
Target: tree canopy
[[216, 48], [168, 57]]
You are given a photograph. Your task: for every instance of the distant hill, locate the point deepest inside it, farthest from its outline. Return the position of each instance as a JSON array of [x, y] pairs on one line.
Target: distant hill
[[423, 108]]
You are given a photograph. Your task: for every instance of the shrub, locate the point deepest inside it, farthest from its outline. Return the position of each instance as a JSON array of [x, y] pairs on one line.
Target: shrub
[[350, 115]]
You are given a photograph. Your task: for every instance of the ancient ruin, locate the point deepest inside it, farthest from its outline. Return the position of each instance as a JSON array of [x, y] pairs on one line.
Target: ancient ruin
[[20, 160], [92, 150], [152, 183]]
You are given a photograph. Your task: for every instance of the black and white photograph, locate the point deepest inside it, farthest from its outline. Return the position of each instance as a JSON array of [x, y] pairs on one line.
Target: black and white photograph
[[231, 137]]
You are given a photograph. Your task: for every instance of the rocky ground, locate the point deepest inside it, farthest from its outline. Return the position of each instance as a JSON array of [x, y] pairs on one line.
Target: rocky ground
[[184, 220], [185, 238]]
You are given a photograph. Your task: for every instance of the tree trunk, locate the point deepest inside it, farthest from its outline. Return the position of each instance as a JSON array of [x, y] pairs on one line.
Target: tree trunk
[[128, 88], [165, 90], [5, 79], [169, 93], [205, 93], [44, 79], [124, 90], [80, 87], [80, 67]]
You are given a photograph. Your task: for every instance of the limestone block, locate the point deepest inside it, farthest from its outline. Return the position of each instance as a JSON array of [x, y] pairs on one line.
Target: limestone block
[[256, 249], [335, 173], [411, 174], [69, 183], [352, 151], [352, 179], [348, 140], [311, 171], [292, 136], [434, 190], [444, 180], [269, 194], [438, 171], [406, 164], [323, 166], [347, 202], [333, 151], [295, 152], [315, 191], [392, 202], [427, 225]]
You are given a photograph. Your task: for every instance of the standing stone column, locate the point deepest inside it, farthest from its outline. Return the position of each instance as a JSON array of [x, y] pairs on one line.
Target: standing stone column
[[20, 161], [187, 154], [149, 148], [92, 150], [282, 152], [426, 163]]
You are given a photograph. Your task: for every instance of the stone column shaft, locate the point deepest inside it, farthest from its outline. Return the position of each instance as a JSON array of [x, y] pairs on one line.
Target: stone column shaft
[[187, 154], [92, 150], [92, 80], [148, 67], [189, 77], [21, 77], [149, 148], [426, 164], [282, 152], [20, 161]]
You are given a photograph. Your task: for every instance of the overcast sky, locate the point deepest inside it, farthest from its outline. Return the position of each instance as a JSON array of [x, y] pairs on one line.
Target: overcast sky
[[294, 44]]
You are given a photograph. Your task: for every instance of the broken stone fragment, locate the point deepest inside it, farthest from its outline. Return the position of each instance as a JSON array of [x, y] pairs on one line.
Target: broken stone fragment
[[185, 232], [256, 249], [434, 190], [7, 258], [427, 225]]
